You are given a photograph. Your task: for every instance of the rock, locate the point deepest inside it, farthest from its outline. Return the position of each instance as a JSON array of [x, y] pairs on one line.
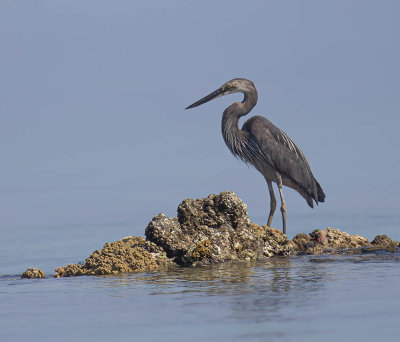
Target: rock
[[130, 254], [32, 272], [167, 233], [215, 229], [214, 211], [304, 242], [328, 240], [277, 243], [382, 242], [385, 241], [71, 270]]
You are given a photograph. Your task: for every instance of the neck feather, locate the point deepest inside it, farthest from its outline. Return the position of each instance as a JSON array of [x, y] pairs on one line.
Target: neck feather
[[233, 136]]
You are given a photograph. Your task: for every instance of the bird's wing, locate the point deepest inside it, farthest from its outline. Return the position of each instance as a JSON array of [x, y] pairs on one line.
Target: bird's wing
[[277, 149]]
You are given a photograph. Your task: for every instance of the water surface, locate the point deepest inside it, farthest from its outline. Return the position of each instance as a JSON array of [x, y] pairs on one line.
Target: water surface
[[301, 298]]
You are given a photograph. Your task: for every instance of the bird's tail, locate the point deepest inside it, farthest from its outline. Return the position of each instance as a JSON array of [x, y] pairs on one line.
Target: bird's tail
[[320, 193], [318, 196]]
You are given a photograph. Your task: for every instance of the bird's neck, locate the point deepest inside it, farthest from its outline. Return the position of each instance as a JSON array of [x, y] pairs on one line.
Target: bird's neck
[[230, 121]]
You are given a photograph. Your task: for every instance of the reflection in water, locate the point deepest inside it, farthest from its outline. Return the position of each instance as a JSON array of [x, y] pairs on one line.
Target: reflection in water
[[253, 290], [279, 288]]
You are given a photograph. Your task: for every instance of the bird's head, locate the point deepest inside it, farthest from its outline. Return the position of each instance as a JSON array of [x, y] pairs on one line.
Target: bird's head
[[233, 86]]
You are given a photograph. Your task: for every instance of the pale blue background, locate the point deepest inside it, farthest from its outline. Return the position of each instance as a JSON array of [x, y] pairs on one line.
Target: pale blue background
[[92, 96]]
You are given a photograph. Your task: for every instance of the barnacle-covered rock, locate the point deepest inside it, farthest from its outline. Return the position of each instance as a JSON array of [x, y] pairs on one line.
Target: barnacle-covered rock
[[208, 231], [130, 254], [382, 242], [327, 241], [33, 272], [213, 230]]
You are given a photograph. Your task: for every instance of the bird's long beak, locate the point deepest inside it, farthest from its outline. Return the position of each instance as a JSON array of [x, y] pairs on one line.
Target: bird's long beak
[[209, 97]]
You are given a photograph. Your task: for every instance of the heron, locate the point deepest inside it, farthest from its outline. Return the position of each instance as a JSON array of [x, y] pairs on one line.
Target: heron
[[269, 149]]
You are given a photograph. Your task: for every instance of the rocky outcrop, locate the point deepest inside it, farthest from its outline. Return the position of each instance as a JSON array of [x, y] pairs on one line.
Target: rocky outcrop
[[333, 240], [130, 254], [212, 230], [383, 242], [327, 241], [33, 272], [215, 229]]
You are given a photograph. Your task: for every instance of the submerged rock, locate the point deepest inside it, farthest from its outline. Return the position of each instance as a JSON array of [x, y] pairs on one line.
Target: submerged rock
[[215, 229], [32, 272], [130, 254]]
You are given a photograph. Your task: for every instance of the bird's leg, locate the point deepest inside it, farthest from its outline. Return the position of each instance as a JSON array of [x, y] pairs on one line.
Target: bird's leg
[[283, 204], [272, 203]]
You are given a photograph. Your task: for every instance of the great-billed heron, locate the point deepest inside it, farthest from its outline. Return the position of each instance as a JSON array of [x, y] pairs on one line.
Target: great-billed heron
[[265, 146]]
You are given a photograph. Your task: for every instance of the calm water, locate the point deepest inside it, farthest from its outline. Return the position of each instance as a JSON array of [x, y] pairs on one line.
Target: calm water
[[307, 298]]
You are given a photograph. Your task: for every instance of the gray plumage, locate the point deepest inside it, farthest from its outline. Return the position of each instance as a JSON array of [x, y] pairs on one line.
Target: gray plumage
[[266, 147]]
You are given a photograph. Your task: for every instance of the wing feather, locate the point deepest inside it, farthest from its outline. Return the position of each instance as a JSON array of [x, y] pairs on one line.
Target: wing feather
[[276, 148]]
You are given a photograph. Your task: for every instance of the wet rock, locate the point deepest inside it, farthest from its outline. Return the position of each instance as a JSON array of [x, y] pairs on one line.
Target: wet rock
[[304, 242], [130, 254], [277, 243], [167, 233], [214, 211], [32, 272], [215, 229], [382, 242], [385, 241], [328, 240], [71, 270]]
